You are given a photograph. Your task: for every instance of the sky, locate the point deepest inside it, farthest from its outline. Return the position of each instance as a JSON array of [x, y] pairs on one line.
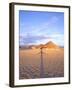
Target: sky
[[40, 27]]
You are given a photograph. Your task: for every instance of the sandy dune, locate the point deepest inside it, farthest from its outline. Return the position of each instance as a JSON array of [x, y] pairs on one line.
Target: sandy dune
[[30, 63]]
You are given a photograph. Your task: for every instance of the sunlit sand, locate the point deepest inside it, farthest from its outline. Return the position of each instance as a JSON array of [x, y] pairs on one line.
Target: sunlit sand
[[30, 63]]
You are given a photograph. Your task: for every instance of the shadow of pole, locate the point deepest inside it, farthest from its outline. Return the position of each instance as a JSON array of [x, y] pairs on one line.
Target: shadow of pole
[[41, 64]]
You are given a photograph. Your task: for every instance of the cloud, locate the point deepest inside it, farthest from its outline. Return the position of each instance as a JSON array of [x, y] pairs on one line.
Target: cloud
[[41, 33], [38, 28], [28, 38], [32, 39], [56, 35], [46, 25]]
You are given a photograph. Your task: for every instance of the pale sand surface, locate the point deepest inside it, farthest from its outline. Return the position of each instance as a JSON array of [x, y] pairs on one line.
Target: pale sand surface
[[30, 63]]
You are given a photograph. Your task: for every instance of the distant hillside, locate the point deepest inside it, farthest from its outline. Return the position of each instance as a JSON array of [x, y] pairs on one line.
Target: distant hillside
[[49, 45]]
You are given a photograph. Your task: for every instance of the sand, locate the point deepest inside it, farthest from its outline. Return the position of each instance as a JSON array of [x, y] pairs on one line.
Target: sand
[[30, 66]]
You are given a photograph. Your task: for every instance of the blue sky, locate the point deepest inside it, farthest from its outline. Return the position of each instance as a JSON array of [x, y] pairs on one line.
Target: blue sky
[[40, 27]]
